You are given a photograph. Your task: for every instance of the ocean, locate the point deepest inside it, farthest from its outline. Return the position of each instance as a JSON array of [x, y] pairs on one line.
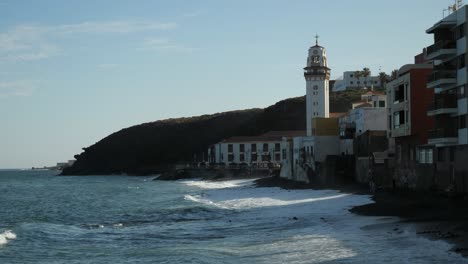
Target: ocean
[[121, 219]]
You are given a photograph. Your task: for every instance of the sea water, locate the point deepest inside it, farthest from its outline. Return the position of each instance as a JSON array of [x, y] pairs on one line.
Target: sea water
[[120, 219]]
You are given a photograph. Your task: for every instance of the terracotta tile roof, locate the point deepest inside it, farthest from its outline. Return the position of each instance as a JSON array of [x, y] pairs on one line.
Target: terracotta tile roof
[[286, 133], [363, 105], [374, 93], [252, 139], [338, 114], [267, 137]]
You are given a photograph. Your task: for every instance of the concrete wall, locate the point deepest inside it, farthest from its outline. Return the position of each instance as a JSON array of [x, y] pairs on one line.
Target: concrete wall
[[383, 173], [346, 146], [326, 145]]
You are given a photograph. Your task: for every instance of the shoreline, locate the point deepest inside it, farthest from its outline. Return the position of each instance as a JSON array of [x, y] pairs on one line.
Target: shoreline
[[434, 216]]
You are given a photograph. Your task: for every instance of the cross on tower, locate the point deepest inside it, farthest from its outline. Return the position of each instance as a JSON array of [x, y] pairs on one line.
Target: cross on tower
[[316, 39]]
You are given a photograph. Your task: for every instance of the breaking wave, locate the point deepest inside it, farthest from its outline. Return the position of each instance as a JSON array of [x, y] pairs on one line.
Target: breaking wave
[[6, 236]]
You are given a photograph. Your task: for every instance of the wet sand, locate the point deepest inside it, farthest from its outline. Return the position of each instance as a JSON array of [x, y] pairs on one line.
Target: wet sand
[[435, 215]]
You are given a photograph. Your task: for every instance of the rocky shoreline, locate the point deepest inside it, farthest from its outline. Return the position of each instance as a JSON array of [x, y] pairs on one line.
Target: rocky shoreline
[[434, 215]]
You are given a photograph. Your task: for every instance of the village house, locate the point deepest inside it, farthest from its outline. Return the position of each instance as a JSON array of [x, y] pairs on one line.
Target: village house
[[356, 122]]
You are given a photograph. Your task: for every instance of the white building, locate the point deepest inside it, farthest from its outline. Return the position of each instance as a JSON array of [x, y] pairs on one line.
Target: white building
[[371, 99], [356, 122], [350, 81], [253, 151]]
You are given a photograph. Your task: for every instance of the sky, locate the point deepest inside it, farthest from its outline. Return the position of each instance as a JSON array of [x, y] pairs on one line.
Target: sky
[[73, 72]]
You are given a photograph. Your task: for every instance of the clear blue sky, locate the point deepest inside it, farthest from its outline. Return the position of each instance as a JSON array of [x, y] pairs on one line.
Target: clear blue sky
[[73, 72]]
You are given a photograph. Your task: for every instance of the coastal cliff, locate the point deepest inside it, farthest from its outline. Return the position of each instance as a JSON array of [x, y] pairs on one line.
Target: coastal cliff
[[153, 147]]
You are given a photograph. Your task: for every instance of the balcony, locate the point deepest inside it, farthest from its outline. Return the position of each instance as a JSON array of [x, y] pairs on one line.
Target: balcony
[[442, 79], [316, 71], [441, 50], [443, 137], [446, 23], [447, 104]]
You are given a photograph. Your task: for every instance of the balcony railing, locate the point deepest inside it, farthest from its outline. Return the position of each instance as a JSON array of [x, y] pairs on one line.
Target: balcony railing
[[314, 71], [446, 67], [439, 75], [446, 101], [442, 133], [442, 44]]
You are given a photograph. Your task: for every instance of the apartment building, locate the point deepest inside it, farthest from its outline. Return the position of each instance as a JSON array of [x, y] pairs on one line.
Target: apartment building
[[449, 107], [408, 100]]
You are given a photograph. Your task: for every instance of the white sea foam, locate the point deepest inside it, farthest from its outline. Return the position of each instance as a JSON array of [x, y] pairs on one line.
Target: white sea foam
[[313, 226], [219, 184], [5, 236]]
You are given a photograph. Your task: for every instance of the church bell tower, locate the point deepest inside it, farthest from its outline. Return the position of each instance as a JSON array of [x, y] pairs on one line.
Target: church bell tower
[[317, 76]]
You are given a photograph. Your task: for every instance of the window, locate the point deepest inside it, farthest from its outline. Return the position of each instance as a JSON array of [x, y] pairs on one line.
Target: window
[[425, 156], [316, 59], [254, 148], [429, 156], [351, 82], [230, 148], [460, 31], [266, 157], [382, 103], [399, 95], [351, 76], [452, 153], [231, 157], [441, 154], [462, 121], [277, 147], [461, 92], [315, 87], [242, 157], [265, 147], [254, 157], [277, 157], [242, 148], [422, 156], [398, 119], [284, 154], [461, 61]]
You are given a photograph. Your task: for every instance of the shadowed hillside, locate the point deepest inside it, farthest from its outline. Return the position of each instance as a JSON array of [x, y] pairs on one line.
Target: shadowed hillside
[[152, 147]]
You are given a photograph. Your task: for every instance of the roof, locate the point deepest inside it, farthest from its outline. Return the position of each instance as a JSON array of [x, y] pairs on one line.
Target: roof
[[374, 93], [252, 139], [337, 114], [362, 105], [270, 136], [286, 133], [407, 67]]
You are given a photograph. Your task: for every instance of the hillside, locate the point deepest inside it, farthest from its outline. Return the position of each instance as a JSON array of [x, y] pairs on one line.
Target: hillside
[[151, 147]]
